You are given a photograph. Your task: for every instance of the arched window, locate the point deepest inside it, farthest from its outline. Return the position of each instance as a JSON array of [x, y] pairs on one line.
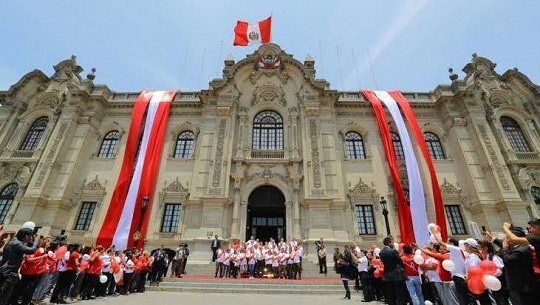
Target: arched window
[[514, 134], [34, 134], [396, 142], [184, 145], [267, 131], [434, 146], [108, 146], [354, 145], [6, 199]]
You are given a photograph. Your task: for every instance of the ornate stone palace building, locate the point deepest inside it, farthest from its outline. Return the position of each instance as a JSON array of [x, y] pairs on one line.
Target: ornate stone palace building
[[266, 150]]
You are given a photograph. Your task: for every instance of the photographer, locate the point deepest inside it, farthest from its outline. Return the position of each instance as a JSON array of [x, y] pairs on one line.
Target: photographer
[[14, 252]]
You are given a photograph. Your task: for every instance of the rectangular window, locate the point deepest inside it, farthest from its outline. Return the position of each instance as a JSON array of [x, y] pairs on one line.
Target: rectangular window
[[365, 220], [85, 215], [455, 220], [171, 218]]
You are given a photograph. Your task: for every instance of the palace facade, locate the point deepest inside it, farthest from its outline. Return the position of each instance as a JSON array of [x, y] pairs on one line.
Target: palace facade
[[267, 150]]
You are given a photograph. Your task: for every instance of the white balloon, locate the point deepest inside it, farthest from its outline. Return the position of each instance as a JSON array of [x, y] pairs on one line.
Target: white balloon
[[448, 265], [418, 259], [418, 252], [376, 251], [396, 246], [428, 302], [492, 283], [103, 279]]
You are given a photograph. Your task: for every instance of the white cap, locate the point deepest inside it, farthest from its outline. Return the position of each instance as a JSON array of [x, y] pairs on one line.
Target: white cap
[[29, 225], [471, 242]]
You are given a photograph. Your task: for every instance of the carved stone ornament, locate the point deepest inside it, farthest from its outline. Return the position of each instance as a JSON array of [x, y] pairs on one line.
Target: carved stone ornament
[[268, 93], [361, 189], [268, 174], [93, 186], [176, 187], [447, 189]]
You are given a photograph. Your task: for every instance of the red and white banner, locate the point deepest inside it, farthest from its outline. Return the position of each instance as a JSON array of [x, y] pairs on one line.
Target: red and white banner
[[138, 180], [257, 33], [404, 213], [417, 211]]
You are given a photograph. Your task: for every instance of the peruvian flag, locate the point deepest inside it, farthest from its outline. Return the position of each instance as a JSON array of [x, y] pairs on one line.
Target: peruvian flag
[[126, 221], [247, 34]]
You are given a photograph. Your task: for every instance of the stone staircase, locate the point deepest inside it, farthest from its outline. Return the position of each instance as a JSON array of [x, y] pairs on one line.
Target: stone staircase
[[200, 279]]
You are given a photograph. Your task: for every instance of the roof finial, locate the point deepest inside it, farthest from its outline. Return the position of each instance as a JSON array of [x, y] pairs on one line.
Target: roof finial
[[91, 75], [453, 76]]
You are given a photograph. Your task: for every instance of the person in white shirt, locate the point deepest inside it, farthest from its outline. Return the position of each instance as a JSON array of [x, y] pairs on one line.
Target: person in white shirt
[[459, 257], [220, 257], [363, 266]]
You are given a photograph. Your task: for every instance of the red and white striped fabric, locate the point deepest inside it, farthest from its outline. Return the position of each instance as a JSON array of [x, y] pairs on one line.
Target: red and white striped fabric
[[247, 34], [137, 180], [401, 111]]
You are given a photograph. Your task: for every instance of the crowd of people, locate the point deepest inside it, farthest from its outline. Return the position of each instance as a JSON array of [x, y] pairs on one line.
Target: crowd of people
[[498, 270], [33, 268], [255, 259]]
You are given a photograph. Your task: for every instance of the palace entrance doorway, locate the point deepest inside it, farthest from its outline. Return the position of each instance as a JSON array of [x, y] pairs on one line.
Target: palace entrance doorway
[[266, 214]]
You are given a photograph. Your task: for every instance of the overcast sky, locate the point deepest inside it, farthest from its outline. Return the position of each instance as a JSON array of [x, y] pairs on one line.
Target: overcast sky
[[160, 45]]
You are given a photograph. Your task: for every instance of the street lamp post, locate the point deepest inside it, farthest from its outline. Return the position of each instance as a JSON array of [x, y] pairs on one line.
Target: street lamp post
[[144, 207], [384, 207]]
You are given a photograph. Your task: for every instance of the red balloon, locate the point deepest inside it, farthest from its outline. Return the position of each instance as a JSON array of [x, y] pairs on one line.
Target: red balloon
[[377, 273], [488, 267], [476, 285], [475, 272], [374, 261]]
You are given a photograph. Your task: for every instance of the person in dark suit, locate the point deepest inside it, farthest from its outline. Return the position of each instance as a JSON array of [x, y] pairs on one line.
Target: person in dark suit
[[345, 267], [394, 274], [216, 244], [518, 265]]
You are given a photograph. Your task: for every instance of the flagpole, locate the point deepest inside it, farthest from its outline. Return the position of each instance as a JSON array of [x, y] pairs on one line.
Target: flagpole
[[220, 56], [321, 55], [355, 67], [372, 70], [340, 70], [202, 68], [183, 70]]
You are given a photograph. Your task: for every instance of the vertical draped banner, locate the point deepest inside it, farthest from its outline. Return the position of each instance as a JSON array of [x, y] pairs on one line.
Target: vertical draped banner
[[137, 180], [404, 213], [417, 132], [416, 187]]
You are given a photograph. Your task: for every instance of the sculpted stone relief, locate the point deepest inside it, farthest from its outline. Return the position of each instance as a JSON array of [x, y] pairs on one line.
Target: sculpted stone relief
[[497, 166], [316, 165], [218, 161], [50, 155]]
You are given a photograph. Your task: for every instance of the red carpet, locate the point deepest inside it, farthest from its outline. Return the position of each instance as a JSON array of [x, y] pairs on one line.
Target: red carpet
[[312, 280]]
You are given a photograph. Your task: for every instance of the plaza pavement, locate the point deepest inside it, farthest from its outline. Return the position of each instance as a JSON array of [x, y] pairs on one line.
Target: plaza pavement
[[159, 297]]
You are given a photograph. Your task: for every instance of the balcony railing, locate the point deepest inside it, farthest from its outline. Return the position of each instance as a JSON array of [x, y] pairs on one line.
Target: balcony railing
[[267, 154], [527, 156], [22, 154]]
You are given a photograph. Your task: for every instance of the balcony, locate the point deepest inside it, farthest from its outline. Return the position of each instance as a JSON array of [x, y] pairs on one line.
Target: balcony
[[529, 157], [267, 154], [19, 154]]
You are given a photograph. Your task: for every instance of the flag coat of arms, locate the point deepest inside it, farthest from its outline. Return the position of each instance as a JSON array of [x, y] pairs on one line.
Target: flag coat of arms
[[257, 33]]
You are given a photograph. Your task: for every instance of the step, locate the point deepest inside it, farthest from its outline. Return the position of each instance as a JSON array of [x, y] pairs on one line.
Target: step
[[200, 284]]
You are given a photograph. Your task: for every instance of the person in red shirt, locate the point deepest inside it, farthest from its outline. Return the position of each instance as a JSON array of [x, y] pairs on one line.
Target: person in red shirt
[[32, 269], [67, 277], [91, 282], [413, 282], [446, 288]]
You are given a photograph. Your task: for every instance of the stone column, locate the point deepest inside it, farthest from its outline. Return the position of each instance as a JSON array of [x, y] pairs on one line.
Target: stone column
[[238, 177], [242, 132], [293, 118]]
